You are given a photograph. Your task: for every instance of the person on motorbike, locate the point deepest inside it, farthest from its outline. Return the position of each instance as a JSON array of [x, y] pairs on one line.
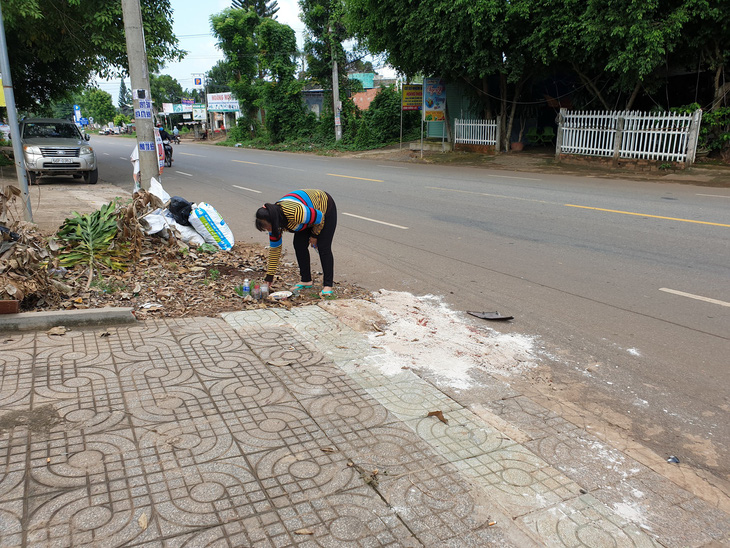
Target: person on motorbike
[[176, 135], [165, 143]]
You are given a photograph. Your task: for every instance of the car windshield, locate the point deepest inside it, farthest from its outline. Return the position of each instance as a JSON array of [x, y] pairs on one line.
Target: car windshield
[[50, 130]]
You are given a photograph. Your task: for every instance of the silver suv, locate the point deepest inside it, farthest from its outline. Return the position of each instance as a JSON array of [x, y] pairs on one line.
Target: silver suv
[[56, 147]]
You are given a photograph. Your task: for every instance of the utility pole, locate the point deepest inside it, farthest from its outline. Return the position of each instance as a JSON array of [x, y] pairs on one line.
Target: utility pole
[[13, 121], [335, 90], [142, 99]]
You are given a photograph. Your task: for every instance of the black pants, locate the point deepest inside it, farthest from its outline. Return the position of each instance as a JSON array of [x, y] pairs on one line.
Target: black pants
[[324, 246]]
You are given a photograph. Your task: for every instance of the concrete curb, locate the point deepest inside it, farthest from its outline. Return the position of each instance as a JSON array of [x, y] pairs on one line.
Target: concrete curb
[[26, 321]]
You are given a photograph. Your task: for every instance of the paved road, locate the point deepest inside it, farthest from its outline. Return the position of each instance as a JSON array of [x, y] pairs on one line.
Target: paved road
[[624, 285]]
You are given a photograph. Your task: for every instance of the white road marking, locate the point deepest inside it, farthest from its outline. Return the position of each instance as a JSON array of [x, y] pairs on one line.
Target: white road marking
[[691, 296], [191, 154], [183, 173], [266, 165], [391, 167], [714, 195], [249, 189], [511, 177], [123, 158], [106, 154], [375, 221]]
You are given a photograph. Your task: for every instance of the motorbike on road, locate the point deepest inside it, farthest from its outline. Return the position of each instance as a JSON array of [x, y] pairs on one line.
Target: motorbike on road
[[168, 152]]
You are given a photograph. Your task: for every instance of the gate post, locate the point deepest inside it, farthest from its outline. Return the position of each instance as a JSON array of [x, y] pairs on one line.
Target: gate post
[[617, 139], [559, 137], [692, 138]]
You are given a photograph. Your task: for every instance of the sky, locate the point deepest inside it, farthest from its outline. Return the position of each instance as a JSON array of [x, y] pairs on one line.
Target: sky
[[191, 25]]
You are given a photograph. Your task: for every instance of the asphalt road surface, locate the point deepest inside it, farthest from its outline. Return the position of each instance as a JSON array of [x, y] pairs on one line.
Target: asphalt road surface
[[624, 285]]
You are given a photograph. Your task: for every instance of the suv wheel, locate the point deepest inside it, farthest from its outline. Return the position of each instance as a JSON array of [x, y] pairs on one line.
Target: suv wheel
[[32, 177], [91, 177]]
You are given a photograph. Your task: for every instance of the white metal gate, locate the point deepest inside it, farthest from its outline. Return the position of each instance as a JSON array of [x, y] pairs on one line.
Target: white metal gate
[[476, 132]]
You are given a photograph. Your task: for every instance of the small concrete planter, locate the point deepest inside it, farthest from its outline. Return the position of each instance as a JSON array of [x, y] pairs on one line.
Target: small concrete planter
[[10, 306]]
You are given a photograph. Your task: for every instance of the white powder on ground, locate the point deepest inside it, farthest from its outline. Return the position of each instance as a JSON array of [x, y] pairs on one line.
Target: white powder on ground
[[424, 333]]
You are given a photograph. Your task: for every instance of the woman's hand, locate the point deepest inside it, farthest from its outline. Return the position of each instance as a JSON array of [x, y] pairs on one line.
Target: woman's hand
[[313, 242]]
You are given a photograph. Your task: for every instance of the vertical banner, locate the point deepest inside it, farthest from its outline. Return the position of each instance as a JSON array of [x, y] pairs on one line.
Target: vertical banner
[[160, 150], [434, 100], [412, 97]]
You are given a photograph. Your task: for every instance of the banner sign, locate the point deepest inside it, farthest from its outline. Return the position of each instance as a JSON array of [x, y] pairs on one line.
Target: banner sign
[[176, 108], [434, 100], [199, 112], [412, 97], [222, 102]]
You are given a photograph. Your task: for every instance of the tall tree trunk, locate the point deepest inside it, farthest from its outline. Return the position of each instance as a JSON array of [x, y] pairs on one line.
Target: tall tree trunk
[[513, 110], [591, 86], [722, 89], [634, 95], [503, 110]]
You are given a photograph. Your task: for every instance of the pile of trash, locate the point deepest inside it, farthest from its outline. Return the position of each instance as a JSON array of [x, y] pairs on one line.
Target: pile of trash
[[160, 266], [23, 252], [194, 224]]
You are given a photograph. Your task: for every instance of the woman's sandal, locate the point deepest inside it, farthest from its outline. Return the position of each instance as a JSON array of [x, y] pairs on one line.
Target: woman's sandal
[[303, 286], [327, 293]]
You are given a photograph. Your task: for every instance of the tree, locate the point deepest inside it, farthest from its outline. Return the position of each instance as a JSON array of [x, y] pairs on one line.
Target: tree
[[125, 95], [262, 8], [260, 57], [97, 104], [220, 76], [56, 46], [164, 89]]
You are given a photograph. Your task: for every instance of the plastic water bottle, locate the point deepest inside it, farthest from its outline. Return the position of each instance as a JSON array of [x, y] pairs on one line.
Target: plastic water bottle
[[246, 287], [256, 293], [264, 290]]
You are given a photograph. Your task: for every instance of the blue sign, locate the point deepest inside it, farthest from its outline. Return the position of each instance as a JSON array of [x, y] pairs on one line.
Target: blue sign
[[147, 146], [84, 121], [77, 107]]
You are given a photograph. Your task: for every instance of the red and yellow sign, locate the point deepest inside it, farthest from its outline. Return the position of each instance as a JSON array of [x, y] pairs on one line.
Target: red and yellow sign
[[412, 97]]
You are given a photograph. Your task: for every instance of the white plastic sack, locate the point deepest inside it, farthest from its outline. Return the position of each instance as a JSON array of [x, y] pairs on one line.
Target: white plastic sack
[[157, 190], [154, 222], [210, 225], [187, 233]]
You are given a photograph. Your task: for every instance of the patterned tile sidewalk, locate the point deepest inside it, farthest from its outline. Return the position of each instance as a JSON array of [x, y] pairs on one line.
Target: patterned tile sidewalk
[[276, 428]]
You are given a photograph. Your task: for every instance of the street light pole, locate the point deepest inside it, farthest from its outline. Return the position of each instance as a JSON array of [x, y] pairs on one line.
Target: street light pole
[[142, 98], [13, 121]]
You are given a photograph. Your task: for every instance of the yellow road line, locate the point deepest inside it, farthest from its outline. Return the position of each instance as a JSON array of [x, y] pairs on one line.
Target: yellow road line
[[360, 178], [645, 215]]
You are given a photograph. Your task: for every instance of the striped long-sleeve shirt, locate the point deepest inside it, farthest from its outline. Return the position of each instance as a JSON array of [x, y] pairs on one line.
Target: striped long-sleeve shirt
[[302, 209]]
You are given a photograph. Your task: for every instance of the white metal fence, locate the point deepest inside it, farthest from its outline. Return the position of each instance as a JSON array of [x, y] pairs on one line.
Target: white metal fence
[[476, 132], [668, 136]]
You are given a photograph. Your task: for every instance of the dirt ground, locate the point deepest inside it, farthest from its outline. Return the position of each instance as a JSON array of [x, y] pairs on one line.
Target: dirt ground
[[192, 283]]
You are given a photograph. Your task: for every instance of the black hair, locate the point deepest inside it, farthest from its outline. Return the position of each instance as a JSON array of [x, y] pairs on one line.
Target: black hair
[[272, 214]]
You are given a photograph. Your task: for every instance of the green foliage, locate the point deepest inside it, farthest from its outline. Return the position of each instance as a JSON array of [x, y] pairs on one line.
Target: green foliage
[[165, 89], [89, 241], [125, 95], [260, 56], [98, 104], [120, 119], [262, 8], [57, 46], [714, 129]]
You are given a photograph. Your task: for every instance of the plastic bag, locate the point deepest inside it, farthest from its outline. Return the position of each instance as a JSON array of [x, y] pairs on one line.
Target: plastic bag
[[210, 225], [154, 222], [157, 190], [180, 209]]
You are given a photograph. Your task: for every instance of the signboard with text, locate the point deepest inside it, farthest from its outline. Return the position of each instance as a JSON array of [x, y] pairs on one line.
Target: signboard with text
[[434, 100], [222, 102], [412, 97], [199, 112]]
